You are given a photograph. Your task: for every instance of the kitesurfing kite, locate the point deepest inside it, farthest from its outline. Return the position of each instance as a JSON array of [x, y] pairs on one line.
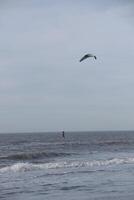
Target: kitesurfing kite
[[87, 56]]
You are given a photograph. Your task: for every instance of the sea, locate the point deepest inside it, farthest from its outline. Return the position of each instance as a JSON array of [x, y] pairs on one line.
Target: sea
[[80, 166]]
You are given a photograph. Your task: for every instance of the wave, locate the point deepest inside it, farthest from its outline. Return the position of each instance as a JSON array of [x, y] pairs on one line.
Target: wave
[[22, 167], [114, 142], [33, 155]]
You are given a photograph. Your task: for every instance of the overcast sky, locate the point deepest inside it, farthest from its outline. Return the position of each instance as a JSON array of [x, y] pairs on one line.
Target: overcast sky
[[43, 87]]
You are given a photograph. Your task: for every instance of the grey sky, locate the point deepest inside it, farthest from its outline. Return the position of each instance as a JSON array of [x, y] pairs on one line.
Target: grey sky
[[43, 87]]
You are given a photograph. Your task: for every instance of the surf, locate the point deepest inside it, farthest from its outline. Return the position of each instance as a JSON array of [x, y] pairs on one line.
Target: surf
[[25, 166]]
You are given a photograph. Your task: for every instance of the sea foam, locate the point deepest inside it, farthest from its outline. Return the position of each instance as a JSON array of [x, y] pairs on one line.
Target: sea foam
[[22, 167]]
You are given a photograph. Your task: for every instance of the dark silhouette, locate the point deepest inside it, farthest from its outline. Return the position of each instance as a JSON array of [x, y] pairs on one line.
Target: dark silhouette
[[63, 134], [87, 56]]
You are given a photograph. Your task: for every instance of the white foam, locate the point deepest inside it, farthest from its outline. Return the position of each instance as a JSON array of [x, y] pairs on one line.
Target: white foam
[[18, 167]]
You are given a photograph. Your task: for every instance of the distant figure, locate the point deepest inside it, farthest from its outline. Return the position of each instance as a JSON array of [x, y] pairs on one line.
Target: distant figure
[[87, 56], [63, 134]]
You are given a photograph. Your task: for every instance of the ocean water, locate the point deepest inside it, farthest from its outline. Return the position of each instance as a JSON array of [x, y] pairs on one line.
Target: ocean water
[[81, 166]]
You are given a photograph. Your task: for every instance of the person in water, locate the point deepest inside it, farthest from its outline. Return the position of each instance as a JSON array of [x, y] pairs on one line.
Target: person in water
[[63, 134]]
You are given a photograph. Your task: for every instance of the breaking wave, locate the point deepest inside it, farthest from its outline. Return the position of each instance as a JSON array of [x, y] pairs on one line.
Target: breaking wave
[[22, 167]]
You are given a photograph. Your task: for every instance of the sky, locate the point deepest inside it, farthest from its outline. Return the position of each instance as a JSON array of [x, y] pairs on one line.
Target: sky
[[44, 87]]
